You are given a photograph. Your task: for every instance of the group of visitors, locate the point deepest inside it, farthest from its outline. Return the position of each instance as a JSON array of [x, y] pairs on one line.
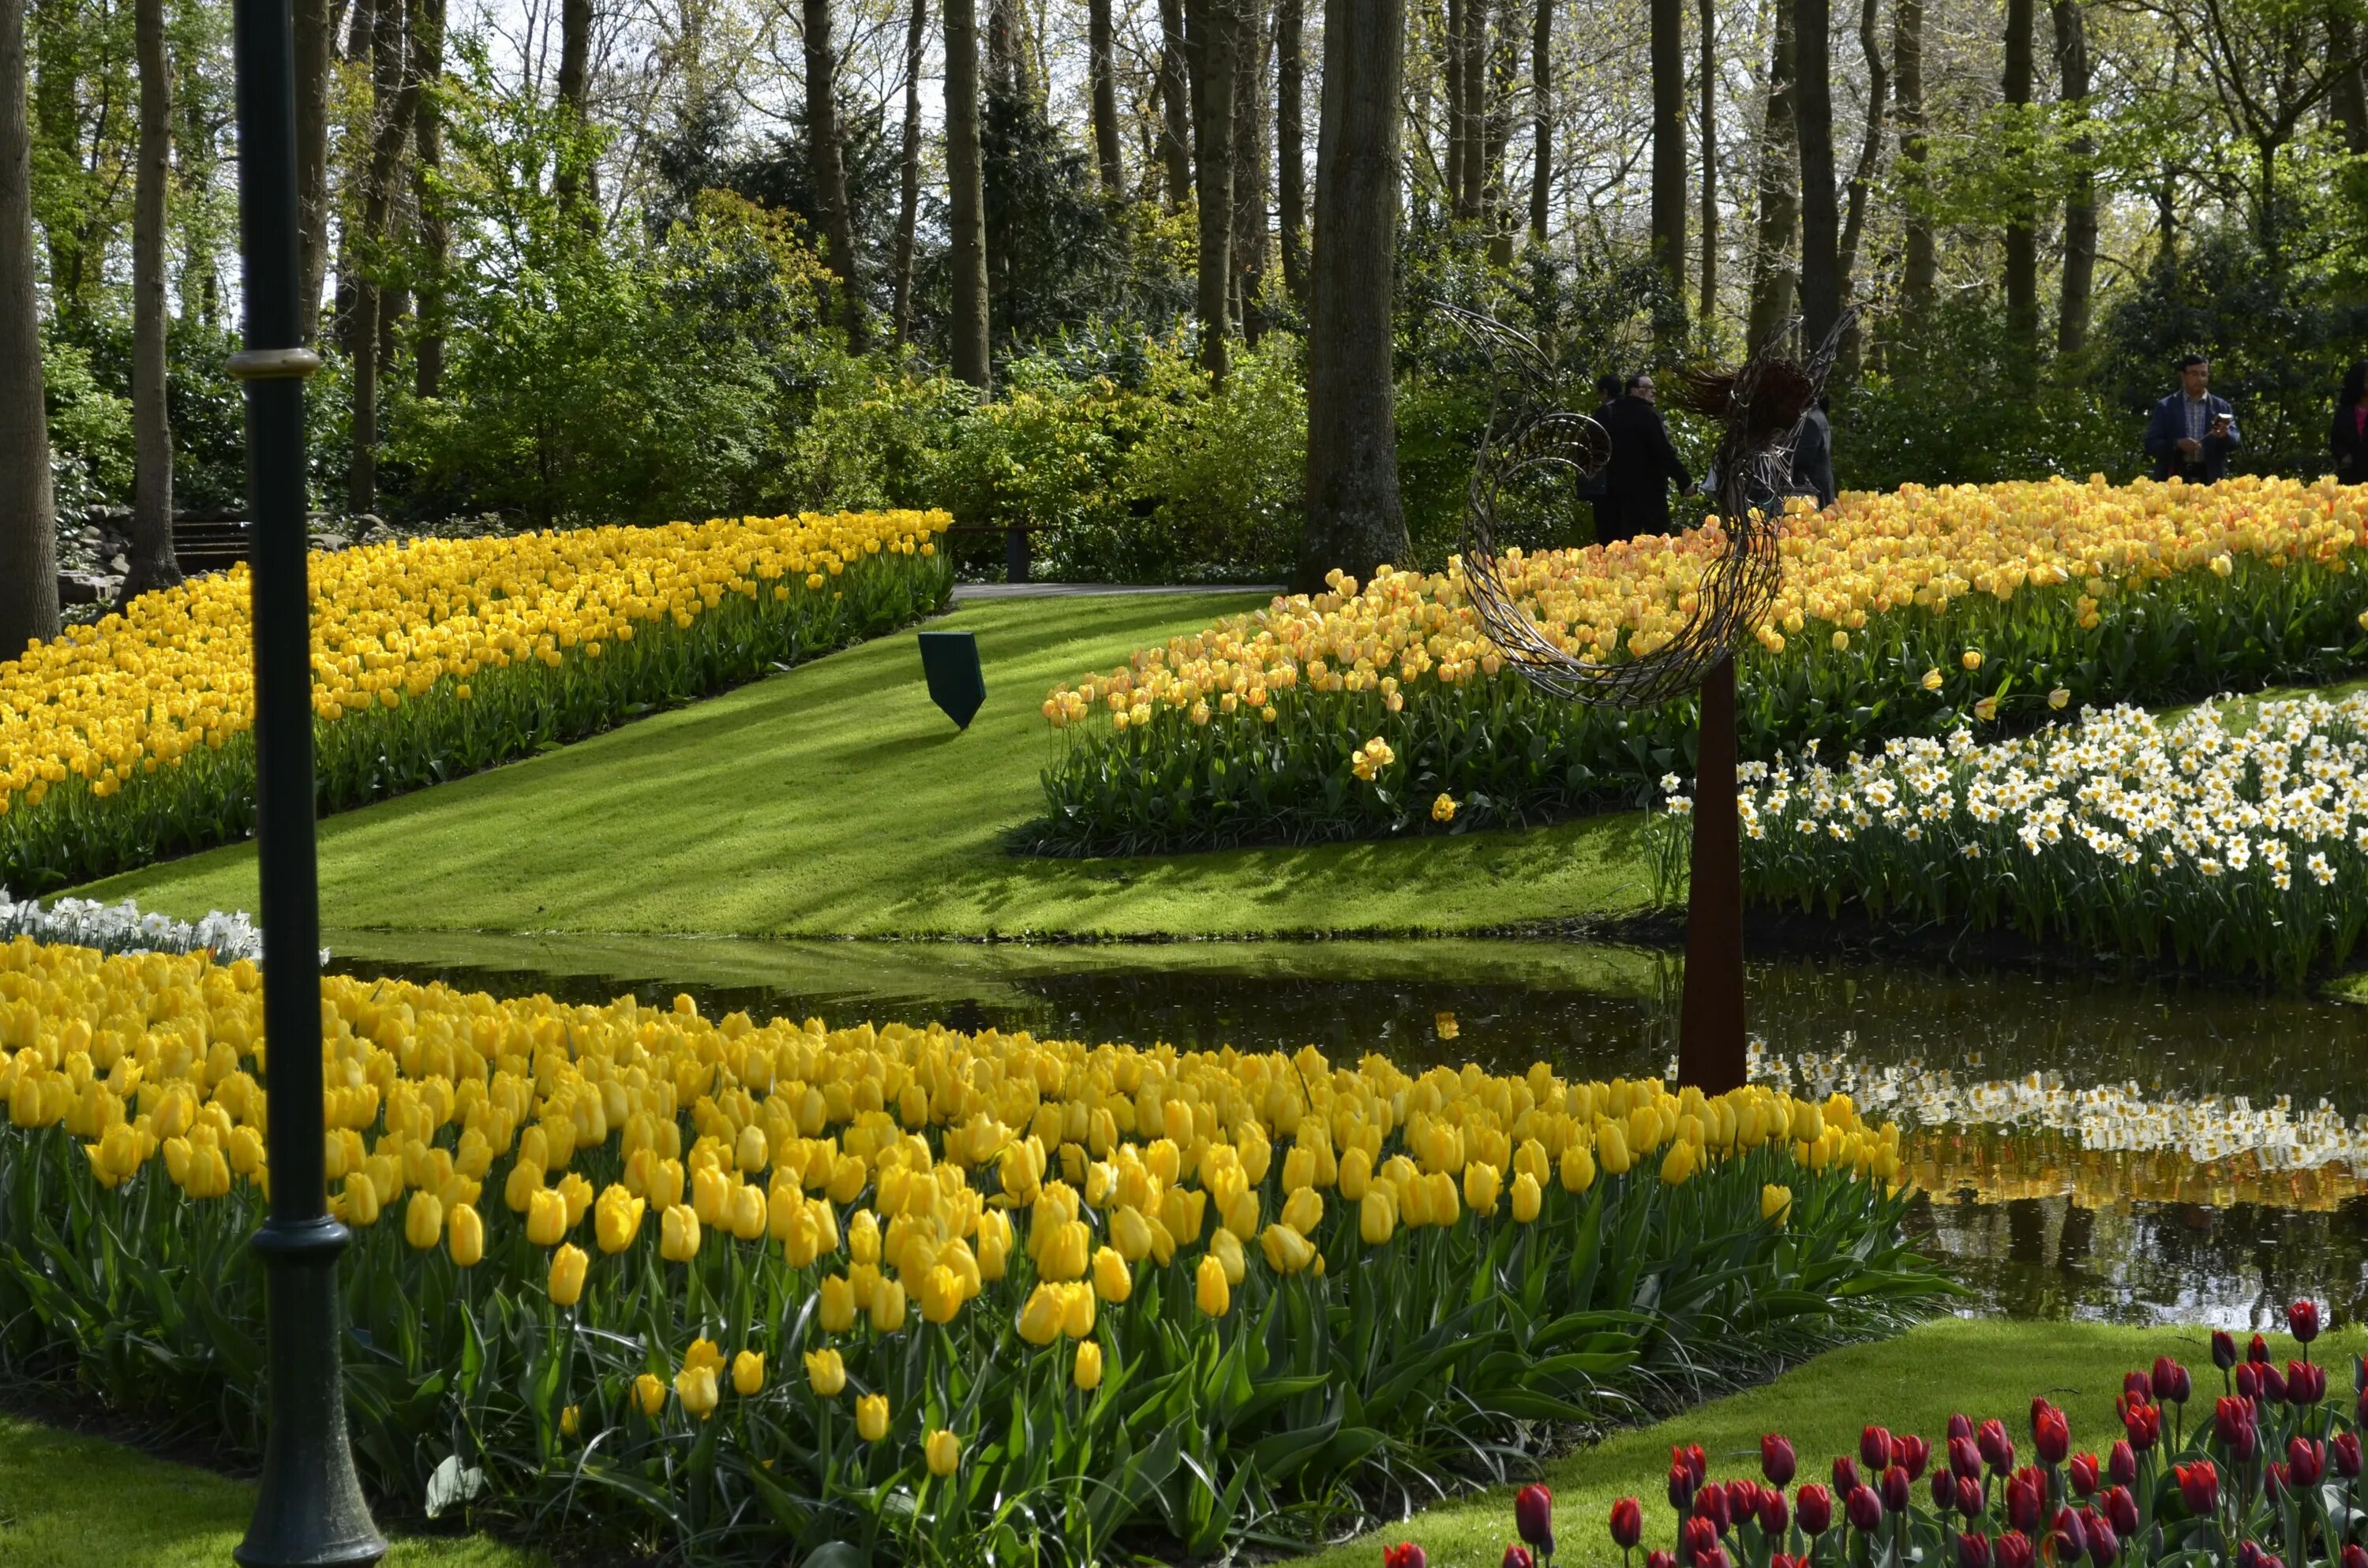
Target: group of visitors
[[2189, 436]]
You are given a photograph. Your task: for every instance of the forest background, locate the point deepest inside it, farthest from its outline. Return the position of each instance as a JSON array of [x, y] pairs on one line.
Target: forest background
[[634, 260]]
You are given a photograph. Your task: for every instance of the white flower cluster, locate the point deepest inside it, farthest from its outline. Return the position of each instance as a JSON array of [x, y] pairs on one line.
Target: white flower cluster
[[121, 928], [2234, 847], [2105, 1117]]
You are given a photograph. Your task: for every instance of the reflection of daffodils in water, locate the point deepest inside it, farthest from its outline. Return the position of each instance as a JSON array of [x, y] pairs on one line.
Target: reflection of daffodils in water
[[2239, 850]]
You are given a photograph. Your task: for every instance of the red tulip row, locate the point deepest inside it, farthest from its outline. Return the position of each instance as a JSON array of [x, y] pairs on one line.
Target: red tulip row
[[2271, 1477]]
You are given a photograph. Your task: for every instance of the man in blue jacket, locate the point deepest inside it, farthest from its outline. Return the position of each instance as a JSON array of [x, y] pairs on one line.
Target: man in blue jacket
[[2192, 432]]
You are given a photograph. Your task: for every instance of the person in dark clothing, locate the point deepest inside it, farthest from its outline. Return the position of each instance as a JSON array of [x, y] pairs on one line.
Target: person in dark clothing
[[1812, 455], [2347, 434], [2192, 432], [1644, 465]]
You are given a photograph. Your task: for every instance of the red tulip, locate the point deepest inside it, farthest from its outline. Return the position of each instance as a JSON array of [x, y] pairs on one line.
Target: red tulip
[[1897, 1490], [2122, 1508], [2274, 1384], [1518, 1556], [1944, 1490], [1865, 1510], [2144, 1424], [2306, 1462], [2276, 1478], [1973, 1551], [1714, 1558], [2355, 1557], [1813, 1506], [2249, 1381], [1777, 1461], [1696, 1461], [1533, 1518], [1997, 1447], [1844, 1475], [2305, 1384], [2258, 1352], [2121, 1464], [1911, 1453], [2343, 1450], [1960, 1426], [2104, 1545], [2224, 1349], [2026, 1495], [2137, 1385], [1965, 1459], [2250, 1555], [2051, 1436], [1875, 1449], [2084, 1474], [2303, 1319], [1970, 1501], [1778, 1560], [2014, 1550], [1773, 1515], [2069, 1539], [2230, 1415], [2170, 1381], [1658, 1559], [1713, 1506], [1627, 1523], [1697, 1539], [1404, 1554], [2199, 1487], [1681, 1485]]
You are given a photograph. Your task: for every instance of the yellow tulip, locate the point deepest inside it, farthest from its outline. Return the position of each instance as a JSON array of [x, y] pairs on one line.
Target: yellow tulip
[[1775, 1202], [1087, 1372], [1577, 1169], [678, 1234], [1356, 1174], [748, 1214], [1113, 1281], [825, 1372], [650, 1394], [525, 1180], [943, 1450], [1377, 1215], [465, 1235], [941, 1294], [863, 1236], [1528, 1197], [1040, 1315], [1067, 1253], [571, 1419], [361, 1205], [1679, 1165], [710, 1195], [568, 1266], [1077, 1311], [837, 1309], [1480, 1185], [1304, 1210], [423, 1221], [617, 1219], [1210, 1292], [887, 1306], [1611, 1148], [1226, 1248], [546, 1218], [1287, 1251], [748, 1373], [696, 1387], [871, 1416]]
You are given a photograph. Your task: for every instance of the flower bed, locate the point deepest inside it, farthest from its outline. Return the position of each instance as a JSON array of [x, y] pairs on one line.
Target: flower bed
[[2233, 851], [1351, 713], [130, 740], [906, 1289]]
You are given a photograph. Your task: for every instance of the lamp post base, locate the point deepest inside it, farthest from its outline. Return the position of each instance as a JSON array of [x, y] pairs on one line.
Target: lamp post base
[[1711, 1050], [310, 1512]]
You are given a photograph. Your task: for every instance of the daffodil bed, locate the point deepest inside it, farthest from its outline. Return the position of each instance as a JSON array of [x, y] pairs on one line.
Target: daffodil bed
[[2243, 850], [913, 1289], [1382, 709], [131, 739]]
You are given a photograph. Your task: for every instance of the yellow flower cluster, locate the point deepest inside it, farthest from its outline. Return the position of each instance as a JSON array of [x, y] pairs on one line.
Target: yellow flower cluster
[[1869, 554], [173, 675]]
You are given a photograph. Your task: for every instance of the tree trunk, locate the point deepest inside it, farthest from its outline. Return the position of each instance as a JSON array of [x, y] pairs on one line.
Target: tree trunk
[[1006, 59], [1103, 47], [1774, 276], [1497, 121], [1290, 143], [1354, 518], [1919, 267], [574, 85], [1541, 118], [1821, 277], [1209, 39], [315, 42], [435, 245], [1175, 105], [1250, 237], [151, 562], [2021, 226], [2347, 98], [28, 543], [1669, 210], [1458, 28], [908, 202], [2080, 200], [829, 167], [362, 31], [1707, 15], [1475, 106], [1870, 152], [966, 195], [395, 92]]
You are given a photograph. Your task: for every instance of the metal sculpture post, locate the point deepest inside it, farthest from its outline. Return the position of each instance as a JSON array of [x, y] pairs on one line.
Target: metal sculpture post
[[1759, 407], [310, 1512]]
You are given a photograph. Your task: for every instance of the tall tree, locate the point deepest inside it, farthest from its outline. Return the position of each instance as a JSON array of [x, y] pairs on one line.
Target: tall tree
[[1706, 25], [1870, 151], [908, 200], [2347, 98], [1540, 117], [1250, 120], [1497, 122], [1456, 49], [315, 40], [427, 169], [1919, 264], [2021, 218], [1209, 51], [1821, 274], [151, 561], [829, 161], [395, 95], [1175, 105], [1668, 207], [1290, 143], [1774, 275], [1007, 52], [1102, 47], [966, 195], [1355, 522], [575, 83], [2080, 199], [28, 543]]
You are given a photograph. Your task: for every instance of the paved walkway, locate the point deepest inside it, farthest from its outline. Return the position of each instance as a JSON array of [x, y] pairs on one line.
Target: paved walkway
[[969, 593]]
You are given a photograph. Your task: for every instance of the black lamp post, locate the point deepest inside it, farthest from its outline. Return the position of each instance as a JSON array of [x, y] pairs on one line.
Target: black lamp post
[[309, 1513]]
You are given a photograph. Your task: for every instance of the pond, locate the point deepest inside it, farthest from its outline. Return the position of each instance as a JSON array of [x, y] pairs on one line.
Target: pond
[[2132, 1149]]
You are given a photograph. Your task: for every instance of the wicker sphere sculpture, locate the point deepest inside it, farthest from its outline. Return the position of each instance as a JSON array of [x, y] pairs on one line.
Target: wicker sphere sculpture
[[1759, 407]]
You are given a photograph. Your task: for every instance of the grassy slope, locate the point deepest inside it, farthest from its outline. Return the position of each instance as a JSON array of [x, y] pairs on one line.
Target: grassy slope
[[835, 800], [74, 1501]]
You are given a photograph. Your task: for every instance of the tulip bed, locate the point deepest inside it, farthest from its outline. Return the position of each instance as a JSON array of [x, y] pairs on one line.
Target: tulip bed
[[2228, 851], [130, 739], [1382, 709], [731, 1288]]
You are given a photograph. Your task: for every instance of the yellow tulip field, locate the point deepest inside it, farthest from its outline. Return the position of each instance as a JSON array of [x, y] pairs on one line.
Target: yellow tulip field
[[731, 1287], [1901, 613], [130, 739]]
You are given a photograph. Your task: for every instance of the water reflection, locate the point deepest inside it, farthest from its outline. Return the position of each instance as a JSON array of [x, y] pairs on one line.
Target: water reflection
[[2058, 1182]]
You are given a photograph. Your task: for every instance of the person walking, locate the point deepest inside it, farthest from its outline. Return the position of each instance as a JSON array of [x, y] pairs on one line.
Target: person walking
[[2192, 430], [2347, 434], [1644, 465], [1813, 454]]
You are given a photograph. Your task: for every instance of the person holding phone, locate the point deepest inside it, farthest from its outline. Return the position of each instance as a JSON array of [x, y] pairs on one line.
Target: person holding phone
[[2192, 431]]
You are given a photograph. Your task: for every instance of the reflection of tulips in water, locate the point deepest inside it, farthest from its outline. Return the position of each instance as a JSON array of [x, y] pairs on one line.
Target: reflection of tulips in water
[[1998, 1166]]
